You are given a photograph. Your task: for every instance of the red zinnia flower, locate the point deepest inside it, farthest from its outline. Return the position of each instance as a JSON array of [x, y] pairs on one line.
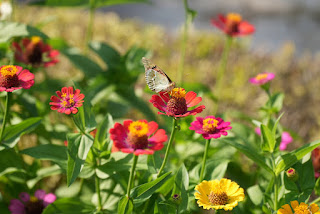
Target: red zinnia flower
[[233, 25], [67, 101], [14, 77], [315, 156], [35, 52], [210, 127], [177, 103], [262, 78], [135, 137]]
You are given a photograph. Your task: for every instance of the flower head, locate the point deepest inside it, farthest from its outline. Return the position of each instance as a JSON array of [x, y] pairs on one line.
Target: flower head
[[210, 127], [138, 137], [233, 25], [27, 204], [297, 208], [262, 78], [14, 77], [218, 194], [35, 52], [315, 156], [67, 100], [177, 102], [285, 139], [5, 10]]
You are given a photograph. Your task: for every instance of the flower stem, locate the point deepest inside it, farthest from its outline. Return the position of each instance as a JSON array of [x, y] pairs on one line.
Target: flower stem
[[5, 116], [276, 188], [204, 159], [315, 201], [221, 71], [97, 182], [134, 164], [174, 128], [90, 24]]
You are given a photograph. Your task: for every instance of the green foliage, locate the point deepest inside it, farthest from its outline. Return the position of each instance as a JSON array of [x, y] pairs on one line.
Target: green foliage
[[69, 205]]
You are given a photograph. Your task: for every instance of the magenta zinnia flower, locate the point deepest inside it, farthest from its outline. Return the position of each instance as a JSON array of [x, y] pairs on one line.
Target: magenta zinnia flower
[[285, 139], [233, 25], [210, 127], [138, 137], [33, 51], [15, 77], [177, 103], [67, 101], [31, 204], [262, 78]]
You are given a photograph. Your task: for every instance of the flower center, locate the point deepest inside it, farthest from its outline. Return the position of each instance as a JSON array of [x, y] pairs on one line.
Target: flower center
[[35, 39], [34, 206], [261, 76], [302, 209], [177, 103], [34, 54], [218, 198], [234, 17], [9, 77], [210, 125], [137, 136], [233, 20]]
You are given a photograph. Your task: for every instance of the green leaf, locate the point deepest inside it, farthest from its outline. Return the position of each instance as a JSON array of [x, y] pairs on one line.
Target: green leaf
[[255, 194], [55, 153], [125, 205], [268, 139], [181, 186], [13, 133], [9, 30], [102, 132], [78, 148], [10, 162], [250, 153], [154, 162], [291, 158], [276, 102], [72, 3], [70, 206], [144, 192], [42, 173]]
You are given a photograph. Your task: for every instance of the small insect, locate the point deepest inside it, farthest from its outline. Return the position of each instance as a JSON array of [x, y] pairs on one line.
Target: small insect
[[157, 79]]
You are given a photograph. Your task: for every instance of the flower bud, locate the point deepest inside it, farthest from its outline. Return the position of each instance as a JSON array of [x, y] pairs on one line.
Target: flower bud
[[176, 199], [292, 174]]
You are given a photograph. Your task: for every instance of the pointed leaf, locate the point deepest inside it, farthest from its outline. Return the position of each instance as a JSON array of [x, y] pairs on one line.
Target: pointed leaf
[[268, 139], [70, 206], [181, 186], [125, 205]]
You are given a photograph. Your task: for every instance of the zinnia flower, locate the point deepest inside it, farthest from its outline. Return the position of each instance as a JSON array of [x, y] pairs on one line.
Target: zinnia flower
[[210, 127], [177, 103], [224, 194], [15, 77], [297, 208], [285, 139], [5, 10], [138, 137], [33, 51], [233, 25], [315, 156], [31, 204], [262, 78], [67, 101]]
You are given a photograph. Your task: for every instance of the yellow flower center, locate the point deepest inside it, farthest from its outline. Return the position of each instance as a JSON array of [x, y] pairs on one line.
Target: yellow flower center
[[302, 209], [178, 93], [218, 198], [33, 199], [63, 95], [261, 76], [35, 39], [210, 125], [138, 128], [234, 17], [8, 70]]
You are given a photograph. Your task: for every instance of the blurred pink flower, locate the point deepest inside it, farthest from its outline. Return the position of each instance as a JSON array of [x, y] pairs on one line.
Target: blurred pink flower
[[262, 78], [27, 204], [285, 139]]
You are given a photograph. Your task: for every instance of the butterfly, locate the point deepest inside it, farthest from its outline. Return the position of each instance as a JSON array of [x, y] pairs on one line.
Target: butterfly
[[157, 79]]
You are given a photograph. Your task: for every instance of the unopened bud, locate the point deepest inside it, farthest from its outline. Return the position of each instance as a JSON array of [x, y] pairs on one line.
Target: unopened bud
[[292, 174], [176, 199]]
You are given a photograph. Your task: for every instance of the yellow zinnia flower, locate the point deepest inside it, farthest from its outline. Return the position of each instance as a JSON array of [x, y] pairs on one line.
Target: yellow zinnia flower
[[295, 208], [224, 194]]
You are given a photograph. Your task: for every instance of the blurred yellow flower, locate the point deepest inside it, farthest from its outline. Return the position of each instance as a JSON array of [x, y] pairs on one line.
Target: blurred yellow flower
[[295, 208], [218, 194]]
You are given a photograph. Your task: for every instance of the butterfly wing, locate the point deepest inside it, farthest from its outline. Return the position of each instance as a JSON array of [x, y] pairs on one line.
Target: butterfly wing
[[156, 79]]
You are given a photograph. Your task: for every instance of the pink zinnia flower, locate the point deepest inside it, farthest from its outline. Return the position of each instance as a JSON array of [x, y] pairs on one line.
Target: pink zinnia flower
[[285, 139], [15, 77], [177, 103], [33, 51], [233, 25], [67, 100], [262, 78], [210, 127], [31, 204], [138, 137]]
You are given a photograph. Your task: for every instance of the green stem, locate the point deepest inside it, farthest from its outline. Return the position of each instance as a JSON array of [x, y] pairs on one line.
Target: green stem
[[315, 201], [204, 160], [221, 71], [90, 24], [134, 164], [188, 19], [5, 116], [97, 181], [276, 187], [174, 128]]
